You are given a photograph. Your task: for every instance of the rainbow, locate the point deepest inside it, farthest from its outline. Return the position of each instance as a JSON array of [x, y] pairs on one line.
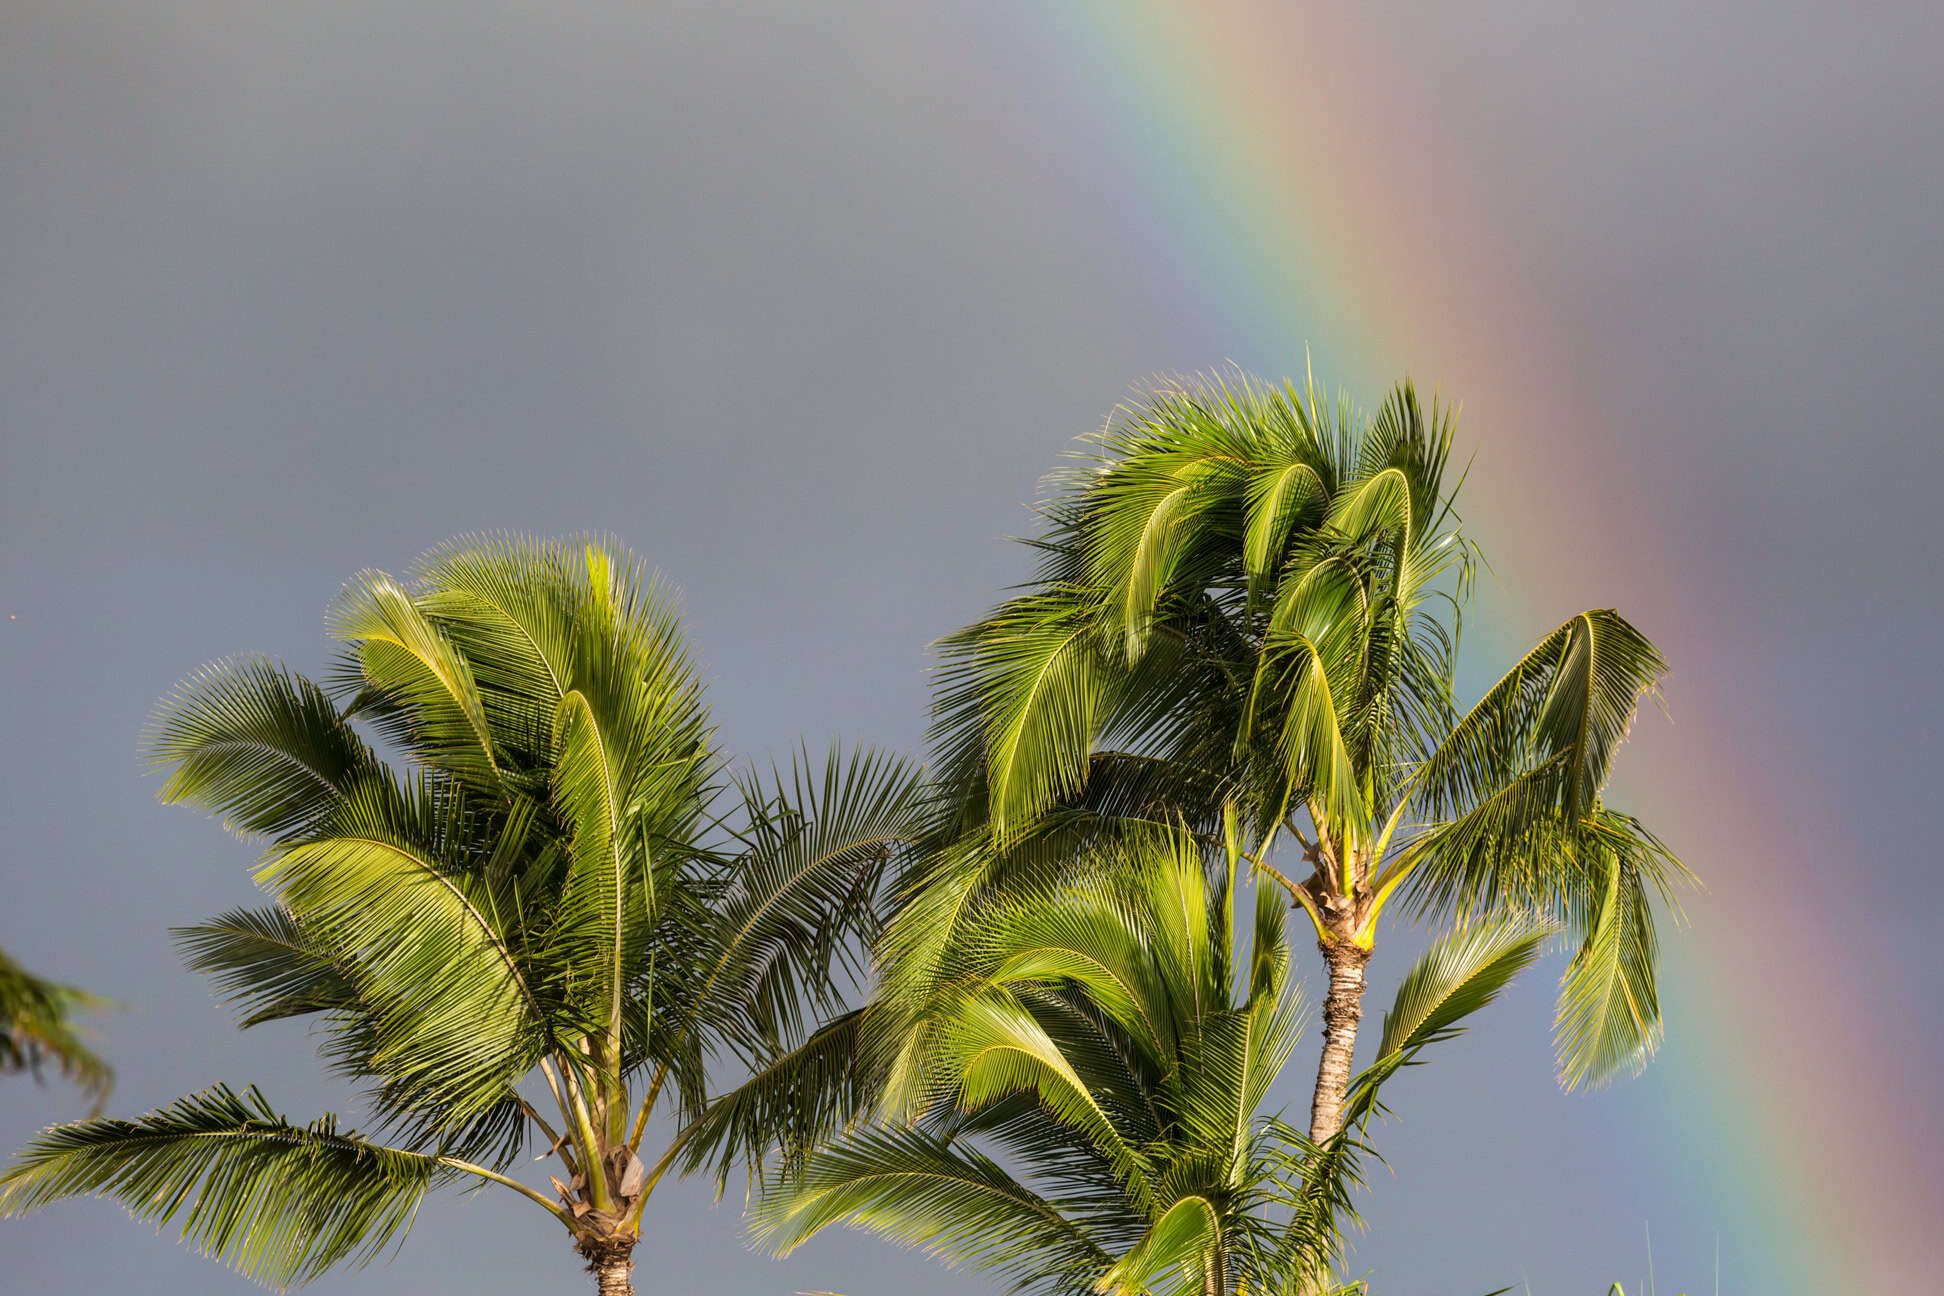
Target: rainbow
[[1281, 205]]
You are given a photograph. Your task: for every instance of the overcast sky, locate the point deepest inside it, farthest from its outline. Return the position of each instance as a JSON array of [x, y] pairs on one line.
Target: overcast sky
[[291, 290]]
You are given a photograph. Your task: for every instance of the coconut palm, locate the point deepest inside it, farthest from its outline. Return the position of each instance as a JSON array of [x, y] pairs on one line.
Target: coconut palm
[[37, 1028], [1246, 616], [554, 920], [1081, 1108]]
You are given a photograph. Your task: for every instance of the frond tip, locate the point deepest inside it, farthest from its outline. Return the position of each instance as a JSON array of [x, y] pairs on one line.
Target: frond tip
[[1609, 1021]]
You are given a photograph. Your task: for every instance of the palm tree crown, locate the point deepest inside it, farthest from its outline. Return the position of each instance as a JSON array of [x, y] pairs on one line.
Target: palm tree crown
[[542, 909], [1246, 616]]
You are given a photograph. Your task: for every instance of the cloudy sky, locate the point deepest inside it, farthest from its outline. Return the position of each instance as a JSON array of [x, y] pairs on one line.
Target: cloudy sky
[[801, 301]]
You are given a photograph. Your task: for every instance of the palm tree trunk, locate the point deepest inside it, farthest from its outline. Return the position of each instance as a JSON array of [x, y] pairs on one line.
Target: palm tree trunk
[[612, 1264], [615, 1279], [1342, 1010]]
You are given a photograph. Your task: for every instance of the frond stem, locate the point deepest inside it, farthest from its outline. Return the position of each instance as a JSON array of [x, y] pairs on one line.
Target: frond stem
[[647, 1105], [558, 1211], [1300, 894]]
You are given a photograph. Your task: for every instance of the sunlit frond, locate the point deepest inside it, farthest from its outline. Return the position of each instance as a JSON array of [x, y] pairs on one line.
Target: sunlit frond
[[1026, 689], [1460, 974], [1175, 1256], [1570, 699], [456, 1017], [1609, 1021], [407, 658]]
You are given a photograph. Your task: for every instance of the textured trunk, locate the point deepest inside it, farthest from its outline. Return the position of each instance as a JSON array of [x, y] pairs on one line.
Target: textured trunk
[[613, 1278], [1342, 1010], [611, 1261]]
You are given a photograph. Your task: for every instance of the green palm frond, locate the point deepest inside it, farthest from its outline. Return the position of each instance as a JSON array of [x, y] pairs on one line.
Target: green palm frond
[[1569, 701], [946, 1198], [405, 656], [509, 604], [1609, 1021], [264, 749], [1174, 1257], [1023, 694], [1460, 974], [455, 1014], [279, 1202], [1284, 492], [790, 1103], [262, 961], [37, 1027], [806, 897]]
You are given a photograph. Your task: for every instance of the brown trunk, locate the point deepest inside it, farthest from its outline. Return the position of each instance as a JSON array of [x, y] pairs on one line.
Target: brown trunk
[[611, 1261], [1342, 1010], [614, 1279]]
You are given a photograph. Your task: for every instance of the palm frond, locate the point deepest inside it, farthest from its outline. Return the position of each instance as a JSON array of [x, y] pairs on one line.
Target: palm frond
[[406, 657], [788, 1106], [1462, 972], [1569, 700], [1022, 696], [805, 896], [1609, 1020], [281, 1203], [264, 962], [1174, 1257], [263, 748], [917, 1190], [37, 1027], [455, 1015]]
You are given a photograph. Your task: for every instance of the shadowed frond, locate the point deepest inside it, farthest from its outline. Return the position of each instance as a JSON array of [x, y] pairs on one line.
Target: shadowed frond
[[805, 900], [264, 963], [948, 1199], [253, 743], [37, 1028], [281, 1203], [792, 1102]]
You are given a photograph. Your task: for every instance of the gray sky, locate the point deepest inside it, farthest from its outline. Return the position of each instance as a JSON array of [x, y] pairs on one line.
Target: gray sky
[[801, 303]]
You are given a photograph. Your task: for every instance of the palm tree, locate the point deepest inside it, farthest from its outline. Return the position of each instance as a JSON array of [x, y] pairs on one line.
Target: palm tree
[[1246, 616], [37, 1028], [539, 929], [1081, 1106]]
